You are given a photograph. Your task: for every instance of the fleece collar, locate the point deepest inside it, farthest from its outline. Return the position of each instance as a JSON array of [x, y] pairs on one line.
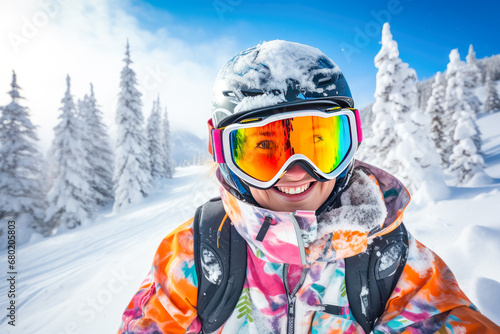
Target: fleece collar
[[371, 205]]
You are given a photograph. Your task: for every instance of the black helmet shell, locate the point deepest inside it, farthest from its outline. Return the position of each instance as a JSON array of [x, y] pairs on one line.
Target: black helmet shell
[[276, 73]]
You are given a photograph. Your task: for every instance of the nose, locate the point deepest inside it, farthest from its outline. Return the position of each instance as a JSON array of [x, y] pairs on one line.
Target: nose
[[295, 173]]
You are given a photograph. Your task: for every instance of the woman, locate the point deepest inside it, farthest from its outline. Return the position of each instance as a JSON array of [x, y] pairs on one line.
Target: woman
[[324, 247]]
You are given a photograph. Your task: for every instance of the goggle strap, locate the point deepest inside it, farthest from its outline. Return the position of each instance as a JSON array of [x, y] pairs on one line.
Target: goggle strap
[[215, 143], [210, 141], [358, 126], [217, 140]]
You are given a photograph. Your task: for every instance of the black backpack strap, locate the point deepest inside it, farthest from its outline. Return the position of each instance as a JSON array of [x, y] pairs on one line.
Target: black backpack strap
[[372, 276], [221, 261]]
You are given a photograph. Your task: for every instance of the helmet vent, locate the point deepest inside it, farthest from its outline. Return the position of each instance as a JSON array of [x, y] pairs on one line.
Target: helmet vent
[[252, 92], [325, 81], [229, 93]]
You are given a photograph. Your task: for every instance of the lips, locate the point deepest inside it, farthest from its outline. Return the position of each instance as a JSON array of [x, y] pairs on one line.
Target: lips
[[297, 197]]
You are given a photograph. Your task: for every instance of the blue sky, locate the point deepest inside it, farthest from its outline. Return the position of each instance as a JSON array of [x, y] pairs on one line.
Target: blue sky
[[348, 32]]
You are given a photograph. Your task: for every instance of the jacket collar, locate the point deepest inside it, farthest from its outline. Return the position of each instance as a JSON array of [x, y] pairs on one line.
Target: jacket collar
[[371, 205]]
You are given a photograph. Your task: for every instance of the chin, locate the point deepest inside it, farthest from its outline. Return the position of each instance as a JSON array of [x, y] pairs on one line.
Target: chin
[[292, 207]]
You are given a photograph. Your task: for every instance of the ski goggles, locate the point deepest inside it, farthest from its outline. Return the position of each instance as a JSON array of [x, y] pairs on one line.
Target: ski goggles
[[260, 150]]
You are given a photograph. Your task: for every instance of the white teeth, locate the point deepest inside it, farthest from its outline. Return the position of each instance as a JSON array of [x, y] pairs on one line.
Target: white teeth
[[294, 191]]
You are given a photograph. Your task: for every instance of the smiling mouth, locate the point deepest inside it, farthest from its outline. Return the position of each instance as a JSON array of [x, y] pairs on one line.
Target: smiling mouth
[[294, 190]]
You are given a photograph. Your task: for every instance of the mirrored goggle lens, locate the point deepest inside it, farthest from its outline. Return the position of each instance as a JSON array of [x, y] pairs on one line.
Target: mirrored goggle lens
[[261, 151]]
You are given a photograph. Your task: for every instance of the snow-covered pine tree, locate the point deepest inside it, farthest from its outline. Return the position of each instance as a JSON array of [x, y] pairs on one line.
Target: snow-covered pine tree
[[472, 79], [465, 160], [458, 96], [98, 150], [132, 174], [492, 103], [85, 143], [436, 111], [386, 111], [390, 107], [410, 154], [22, 195], [473, 70], [155, 147], [490, 66], [415, 151], [424, 92], [70, 195], [169, 164]]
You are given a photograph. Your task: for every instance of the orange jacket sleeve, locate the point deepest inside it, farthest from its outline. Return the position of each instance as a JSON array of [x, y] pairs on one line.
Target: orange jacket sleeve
[[166, 300], [427, 299]]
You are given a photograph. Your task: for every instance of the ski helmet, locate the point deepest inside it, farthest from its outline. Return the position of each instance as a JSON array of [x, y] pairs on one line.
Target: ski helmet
[[274, 77]]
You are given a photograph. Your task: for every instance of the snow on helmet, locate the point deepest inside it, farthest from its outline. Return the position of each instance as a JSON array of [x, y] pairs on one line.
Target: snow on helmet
[[274, 75]]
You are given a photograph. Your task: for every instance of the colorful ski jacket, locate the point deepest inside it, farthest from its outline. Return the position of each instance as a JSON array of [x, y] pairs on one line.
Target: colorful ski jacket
[[298, 268]]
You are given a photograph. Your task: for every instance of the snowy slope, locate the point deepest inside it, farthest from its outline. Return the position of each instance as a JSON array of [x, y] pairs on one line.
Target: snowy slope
[[465, 230], [81, 281]]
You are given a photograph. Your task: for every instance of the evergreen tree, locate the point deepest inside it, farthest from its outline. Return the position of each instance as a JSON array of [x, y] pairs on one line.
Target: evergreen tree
[[155, 146], [22, 196], [98, 150], [492, 103], [459, 98], [410, 154], [390, 107], [473, 70], [436, 111], [465, 159], [70, 196], [424, 92], [167, 147], [490, 66], [387, 109], [132, 176], [472, 79]]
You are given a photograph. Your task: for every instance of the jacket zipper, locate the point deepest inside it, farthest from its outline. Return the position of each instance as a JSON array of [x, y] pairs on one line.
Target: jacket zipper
[[292, 297]]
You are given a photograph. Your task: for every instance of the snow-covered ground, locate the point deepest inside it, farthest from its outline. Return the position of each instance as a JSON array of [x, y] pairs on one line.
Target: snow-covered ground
[[80, 281], [465, 229]]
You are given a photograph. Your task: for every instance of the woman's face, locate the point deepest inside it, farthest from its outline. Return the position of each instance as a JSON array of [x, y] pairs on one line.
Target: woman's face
[[296, 190]]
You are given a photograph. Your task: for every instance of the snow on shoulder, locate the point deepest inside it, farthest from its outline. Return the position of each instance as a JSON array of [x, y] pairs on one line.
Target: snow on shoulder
[[271, 66]]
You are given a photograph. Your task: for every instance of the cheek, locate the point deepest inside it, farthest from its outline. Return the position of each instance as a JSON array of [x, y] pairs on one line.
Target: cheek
[[263, 197], [327, 188], [322, 192]]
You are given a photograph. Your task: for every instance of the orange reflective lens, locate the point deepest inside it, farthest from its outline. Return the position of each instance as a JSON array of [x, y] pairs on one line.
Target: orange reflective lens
[[261, 151]]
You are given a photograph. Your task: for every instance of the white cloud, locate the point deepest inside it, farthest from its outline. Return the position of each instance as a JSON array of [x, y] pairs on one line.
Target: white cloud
[[44, 40]]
